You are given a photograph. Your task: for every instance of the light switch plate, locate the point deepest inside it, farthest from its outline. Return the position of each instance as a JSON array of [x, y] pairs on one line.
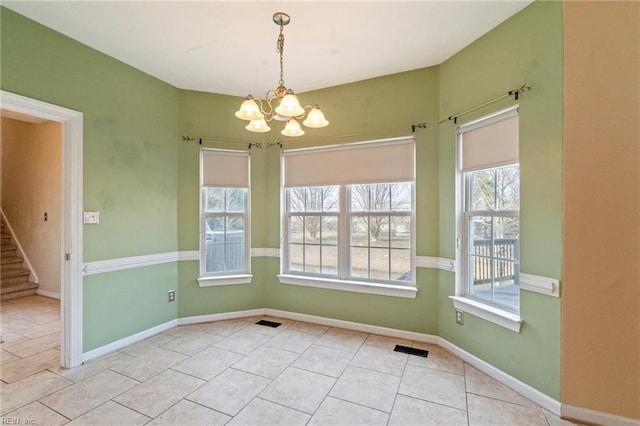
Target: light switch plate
[[91, 218]]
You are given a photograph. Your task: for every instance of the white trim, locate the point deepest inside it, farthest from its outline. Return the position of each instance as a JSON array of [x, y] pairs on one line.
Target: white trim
[[71, 274], [188, 255], [355, 286], [130, 340], [495, 315], [511, 382], [221, 316], [543, 285], [48, 294], [596, 417], [356, 326], [436, 263], [121, 263], [213, 281], [33, 277], [265, 252]]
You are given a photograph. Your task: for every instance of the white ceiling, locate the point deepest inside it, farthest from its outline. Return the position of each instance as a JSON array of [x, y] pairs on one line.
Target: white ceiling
[[229, 47]]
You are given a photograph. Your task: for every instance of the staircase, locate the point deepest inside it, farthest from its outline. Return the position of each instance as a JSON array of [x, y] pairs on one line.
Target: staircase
[[14, 280]]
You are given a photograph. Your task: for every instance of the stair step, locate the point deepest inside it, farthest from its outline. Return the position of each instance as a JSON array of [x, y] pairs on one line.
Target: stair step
[[18, 290], [7, 248], [14, 276], [7, 261]]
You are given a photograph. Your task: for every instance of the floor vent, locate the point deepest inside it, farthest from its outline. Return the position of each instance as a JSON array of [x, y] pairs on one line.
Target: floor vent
[[411, 351], [269, 323]]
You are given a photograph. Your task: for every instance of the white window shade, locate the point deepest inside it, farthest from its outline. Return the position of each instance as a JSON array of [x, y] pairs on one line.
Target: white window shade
[[490, 143], [371, 162], [228, 169]]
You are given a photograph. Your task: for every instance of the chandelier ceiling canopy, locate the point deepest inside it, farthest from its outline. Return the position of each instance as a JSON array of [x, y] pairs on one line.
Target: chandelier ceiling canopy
[[281, 103]]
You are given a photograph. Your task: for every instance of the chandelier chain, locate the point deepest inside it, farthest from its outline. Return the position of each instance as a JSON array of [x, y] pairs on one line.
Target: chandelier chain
[[280, 46]]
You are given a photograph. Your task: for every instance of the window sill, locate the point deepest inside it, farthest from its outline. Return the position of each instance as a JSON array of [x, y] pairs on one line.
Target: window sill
[[355, 286], [498, 316], [213, 281]]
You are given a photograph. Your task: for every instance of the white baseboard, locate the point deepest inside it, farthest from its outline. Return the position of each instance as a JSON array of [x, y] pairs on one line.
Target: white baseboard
[[355, 326], [220, 317], [596, 417], [135, 338], [48, 294], [511, 382]]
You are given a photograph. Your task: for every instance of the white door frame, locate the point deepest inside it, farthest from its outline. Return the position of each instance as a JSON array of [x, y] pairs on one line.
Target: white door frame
[[71, 280]]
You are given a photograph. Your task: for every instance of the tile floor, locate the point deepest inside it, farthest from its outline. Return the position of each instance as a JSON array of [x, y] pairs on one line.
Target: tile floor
[[238, 373]]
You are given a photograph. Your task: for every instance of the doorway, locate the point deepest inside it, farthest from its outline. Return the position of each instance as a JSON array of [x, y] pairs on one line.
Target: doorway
[[71, 214]]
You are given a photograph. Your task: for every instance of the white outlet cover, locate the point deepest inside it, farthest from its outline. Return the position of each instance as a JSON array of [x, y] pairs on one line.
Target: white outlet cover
[[92, 218]]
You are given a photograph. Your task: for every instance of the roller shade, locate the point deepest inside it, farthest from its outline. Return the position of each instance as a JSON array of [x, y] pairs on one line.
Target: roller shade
[[229, 169], [492, 142], [370, 162]]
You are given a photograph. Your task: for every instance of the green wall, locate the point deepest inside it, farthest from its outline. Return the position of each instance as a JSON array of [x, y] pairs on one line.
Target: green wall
[[130, 169], [524, 49], [144, 180]]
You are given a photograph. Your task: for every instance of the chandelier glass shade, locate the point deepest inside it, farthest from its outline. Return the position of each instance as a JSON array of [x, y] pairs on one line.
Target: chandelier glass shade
[[281, 104]]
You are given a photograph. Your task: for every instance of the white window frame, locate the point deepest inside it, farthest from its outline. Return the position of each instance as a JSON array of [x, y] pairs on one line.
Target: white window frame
[[406, 289], [244, 276], [462, 300]]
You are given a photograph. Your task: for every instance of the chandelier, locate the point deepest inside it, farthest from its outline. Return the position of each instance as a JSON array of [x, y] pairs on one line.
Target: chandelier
[[281, 103]]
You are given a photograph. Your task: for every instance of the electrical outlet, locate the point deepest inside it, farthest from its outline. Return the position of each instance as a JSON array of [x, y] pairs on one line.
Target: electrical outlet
[[172, 296], [459, 317]]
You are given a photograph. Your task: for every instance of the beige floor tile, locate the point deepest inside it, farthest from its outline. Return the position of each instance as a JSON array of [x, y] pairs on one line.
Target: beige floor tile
[[7, 357], [18, 369], [30, 389], [486, 411], [148, 364], [159, 393], [93, 366], [554, 420], [189, 413], [292, 341], [15, 326], [41, 330], [366, 387], [242, 341], [481, 384], [309, 328], [438, 359], [434, 386], [345, 340], [261, 412], [299, 389], [88, 394], [386, 342], [208, 363], [225, 328], [111, 413], [183, 331], [148, 345], [338, 412], [409, 411], [192, 343], [10, 313], [230, 391], [24, 348], [324, 360], [10, 337], [266, 362], [45, 317], [380, 359], [37, 414]]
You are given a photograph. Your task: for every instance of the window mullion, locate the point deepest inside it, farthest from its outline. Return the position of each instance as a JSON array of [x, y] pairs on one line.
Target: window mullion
[[344, 233]]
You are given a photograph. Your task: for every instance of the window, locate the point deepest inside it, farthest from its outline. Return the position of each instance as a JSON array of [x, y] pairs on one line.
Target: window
[[348, 214], [490, 228], [224, 229]]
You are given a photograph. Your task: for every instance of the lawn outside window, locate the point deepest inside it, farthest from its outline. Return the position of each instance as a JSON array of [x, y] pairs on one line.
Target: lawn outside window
[[355, 236]]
